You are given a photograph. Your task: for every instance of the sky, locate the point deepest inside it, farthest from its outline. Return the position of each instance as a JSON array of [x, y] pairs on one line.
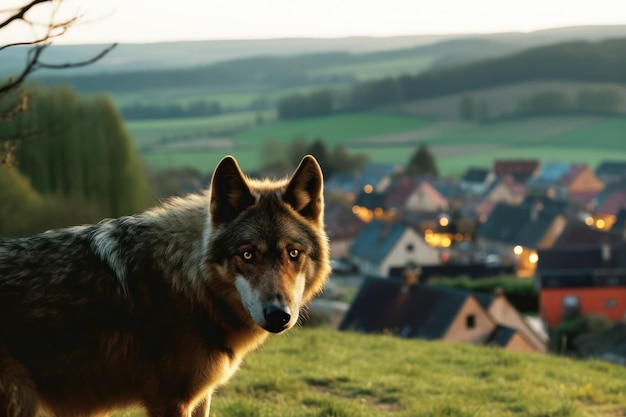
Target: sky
[[168, 20]]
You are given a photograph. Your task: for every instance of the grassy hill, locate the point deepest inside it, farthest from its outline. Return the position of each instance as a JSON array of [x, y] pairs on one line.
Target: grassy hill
[[323, 373]]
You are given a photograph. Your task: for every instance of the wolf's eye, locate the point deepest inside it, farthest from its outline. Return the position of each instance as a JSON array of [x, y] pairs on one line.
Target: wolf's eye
[[247, 255], [294, 253]]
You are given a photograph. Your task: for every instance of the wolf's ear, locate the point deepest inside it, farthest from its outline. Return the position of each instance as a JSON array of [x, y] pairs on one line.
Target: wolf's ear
[[305, 190], [230, 194]]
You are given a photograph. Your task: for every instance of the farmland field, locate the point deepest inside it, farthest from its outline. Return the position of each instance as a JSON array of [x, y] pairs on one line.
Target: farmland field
[[150, 132], [334, 130], [393, 138]]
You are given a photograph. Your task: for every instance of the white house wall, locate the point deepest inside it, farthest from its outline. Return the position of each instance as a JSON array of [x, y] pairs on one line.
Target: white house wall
[[399, 256]]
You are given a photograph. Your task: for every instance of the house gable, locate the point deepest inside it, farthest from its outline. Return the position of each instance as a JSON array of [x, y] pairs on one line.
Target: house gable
[[505, 314], [585, 181], [472, 324], [409, 248], [382, 245], [426, 198]]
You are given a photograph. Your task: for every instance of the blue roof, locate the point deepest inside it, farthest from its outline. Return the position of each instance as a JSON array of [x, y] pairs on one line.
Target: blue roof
[[550, 173], [342, 181], [503, 335], [376, 240], [373, 173]]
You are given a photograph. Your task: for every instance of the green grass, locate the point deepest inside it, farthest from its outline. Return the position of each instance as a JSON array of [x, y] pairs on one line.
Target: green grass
[[323, 373], [337, 129]]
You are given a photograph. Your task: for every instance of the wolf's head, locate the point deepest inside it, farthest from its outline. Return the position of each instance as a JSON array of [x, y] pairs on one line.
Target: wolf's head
[[268, 243]]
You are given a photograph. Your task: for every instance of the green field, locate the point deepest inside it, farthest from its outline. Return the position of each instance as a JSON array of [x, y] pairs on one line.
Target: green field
[[149, 132], [334, 130], [394, 138], [379, 69], [324, 373]]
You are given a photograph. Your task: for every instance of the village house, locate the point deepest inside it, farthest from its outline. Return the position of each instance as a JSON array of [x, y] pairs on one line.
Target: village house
[[346, 184], [415, 195], [517, 232], [519, 169], [383, 245], [588, 278], [476, 180], [342, 227], [607, 205], [418, 311], [611, 171], [378, 176], [566, 181], [502, 190]]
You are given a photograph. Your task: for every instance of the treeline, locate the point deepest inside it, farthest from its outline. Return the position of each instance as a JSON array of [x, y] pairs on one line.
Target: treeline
[[75, 163], [198, 108], [551, 102], [278, 159], [603, 61], [265, 71]]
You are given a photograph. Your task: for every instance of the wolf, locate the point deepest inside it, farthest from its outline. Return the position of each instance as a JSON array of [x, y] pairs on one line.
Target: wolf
[[156, 310]]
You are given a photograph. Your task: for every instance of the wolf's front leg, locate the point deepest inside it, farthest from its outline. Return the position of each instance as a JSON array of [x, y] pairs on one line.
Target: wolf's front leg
[[203, 407]]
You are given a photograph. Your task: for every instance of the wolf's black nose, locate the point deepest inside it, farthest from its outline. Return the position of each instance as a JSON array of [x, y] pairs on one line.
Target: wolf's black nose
[[277, 316]]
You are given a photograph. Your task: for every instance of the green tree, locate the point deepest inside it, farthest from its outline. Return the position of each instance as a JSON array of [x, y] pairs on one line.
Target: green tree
[[467, 108], [549, 102], [79, 148], [18, 200], [599, 101], [14, 100], [422, 163]]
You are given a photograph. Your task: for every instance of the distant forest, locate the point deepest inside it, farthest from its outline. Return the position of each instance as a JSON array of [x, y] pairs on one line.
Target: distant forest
[[573, 61]]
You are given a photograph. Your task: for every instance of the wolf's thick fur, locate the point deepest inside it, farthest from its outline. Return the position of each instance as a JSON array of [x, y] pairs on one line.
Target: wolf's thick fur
[[157, 309]]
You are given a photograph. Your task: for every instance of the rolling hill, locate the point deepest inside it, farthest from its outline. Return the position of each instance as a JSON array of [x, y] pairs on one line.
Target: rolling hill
[[148, 56]]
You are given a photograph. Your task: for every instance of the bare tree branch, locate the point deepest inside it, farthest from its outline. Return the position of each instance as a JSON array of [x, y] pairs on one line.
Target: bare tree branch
[[52, 29], [21, 12], [80, 63]]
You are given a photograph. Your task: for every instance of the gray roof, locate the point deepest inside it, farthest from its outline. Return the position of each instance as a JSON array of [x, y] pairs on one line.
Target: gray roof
[[515, 225], [377, 240], [386, 305]]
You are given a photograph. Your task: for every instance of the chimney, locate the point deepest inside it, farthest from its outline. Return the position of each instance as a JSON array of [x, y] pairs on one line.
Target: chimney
[[535, 209], [605, 248], [411, 276]]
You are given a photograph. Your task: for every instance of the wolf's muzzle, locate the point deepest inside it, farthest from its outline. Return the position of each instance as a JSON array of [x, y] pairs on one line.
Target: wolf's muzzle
[[277, 317]]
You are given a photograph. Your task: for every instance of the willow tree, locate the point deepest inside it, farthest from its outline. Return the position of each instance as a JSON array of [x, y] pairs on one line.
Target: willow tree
[[80, 149]]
